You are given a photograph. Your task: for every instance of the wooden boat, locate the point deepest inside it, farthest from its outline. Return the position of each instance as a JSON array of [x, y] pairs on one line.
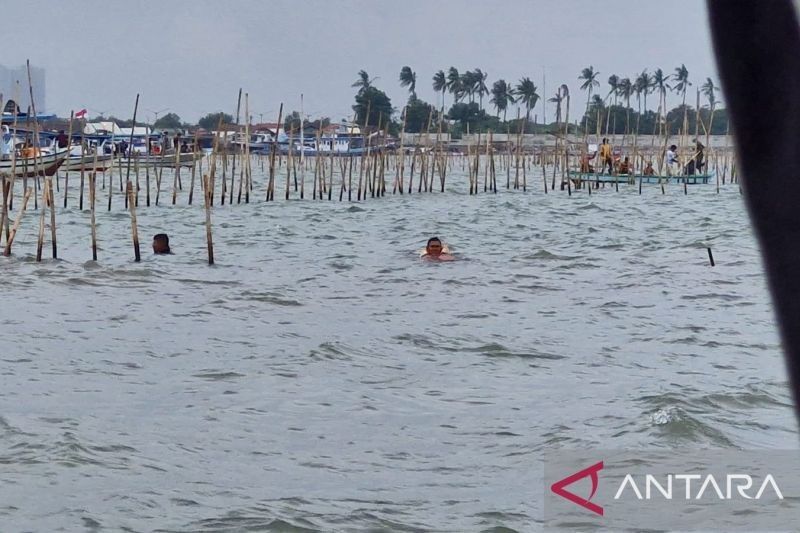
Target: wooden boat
[[168, 160], [47, 164], [87, 162], [689, 179]]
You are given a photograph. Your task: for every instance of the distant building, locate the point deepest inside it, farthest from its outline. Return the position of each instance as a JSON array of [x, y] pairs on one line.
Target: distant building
[[20, 92]]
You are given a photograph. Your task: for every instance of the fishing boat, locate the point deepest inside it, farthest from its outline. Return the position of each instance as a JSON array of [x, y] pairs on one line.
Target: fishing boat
[[167, 160], [45, 164], [88, 162], [688, 179]]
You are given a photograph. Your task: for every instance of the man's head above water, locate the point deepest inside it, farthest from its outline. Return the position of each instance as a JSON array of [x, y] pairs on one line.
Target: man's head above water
[[434, 247], [161, 244]]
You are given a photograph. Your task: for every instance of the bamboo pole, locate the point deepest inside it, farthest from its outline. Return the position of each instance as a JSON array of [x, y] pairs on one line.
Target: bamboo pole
[[6, 187], [209, 241], [233, 167], [92, 198], [271, 181], [40, 240], [134, 226], [69, 150], [194, 167], [13, 234], [53, 241]]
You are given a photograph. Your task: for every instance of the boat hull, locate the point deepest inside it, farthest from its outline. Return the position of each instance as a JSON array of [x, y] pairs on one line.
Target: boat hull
[[44, 165], [88, 163], [696, 179], [165, 161]]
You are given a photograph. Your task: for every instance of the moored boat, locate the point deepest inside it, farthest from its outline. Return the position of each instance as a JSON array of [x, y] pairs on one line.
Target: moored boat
[[688, 179], [45, 164], [168, 160], [89, 162]]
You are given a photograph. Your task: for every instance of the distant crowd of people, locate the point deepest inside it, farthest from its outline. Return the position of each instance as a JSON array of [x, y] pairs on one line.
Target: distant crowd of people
[[613, 164]]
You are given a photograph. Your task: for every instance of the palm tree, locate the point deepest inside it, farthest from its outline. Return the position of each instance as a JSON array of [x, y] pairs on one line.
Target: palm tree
[[642, 86], [440, 84], [683, 83], [363, 82], [709, 91], [557, 100], [454, 84], [659, 83], [589, 77], [626, 91], [482, 89], [408, 78], [613, 82], [526, 92], [502, 95], [469, 84]]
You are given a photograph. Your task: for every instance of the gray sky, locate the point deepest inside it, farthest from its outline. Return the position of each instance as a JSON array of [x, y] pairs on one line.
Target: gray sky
[[191, 57]]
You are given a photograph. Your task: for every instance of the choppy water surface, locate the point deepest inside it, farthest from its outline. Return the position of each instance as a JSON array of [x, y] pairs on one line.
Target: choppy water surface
[[320, 377]]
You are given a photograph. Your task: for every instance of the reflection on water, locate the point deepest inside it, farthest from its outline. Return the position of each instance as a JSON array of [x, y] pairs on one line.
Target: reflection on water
[[321, 377]]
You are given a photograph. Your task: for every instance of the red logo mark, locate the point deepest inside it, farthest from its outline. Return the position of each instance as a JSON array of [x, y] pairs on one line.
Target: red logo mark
[[558, 487]]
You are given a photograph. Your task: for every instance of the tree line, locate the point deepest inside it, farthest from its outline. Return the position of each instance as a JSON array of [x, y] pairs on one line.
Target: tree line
[[468, 90], [608, 112]]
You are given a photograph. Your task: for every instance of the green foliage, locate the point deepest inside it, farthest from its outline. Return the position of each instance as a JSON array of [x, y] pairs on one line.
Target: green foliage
[[169, 121], [408, 78], [417, 113], [527, 95], [470, 117], [502, 95], [291, 125], [211, 120], [648, 120], [378, 104]]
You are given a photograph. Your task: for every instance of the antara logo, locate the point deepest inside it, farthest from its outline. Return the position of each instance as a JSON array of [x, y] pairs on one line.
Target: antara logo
[[591, 472], [743, 483], [729, 487]]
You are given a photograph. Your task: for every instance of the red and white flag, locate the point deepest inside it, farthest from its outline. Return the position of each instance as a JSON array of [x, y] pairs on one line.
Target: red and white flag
[[81, 113]]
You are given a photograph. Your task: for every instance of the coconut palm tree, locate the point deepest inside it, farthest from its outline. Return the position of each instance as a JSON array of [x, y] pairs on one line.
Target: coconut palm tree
[[440, 85], [682, 78], [589, 78], [454, 84], [642, 86], [557, 100], [613, 82], [502, 95], [469, 84], [659, 83], [626, 91], [482, 89], [363, 82], [408, 78], [527, 95], [709, 91]]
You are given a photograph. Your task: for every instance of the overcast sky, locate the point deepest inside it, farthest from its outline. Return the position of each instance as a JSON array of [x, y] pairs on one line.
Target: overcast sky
[[191, 57]]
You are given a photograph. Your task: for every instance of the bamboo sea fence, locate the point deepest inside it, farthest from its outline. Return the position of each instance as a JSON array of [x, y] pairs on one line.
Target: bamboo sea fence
[[427, 160]]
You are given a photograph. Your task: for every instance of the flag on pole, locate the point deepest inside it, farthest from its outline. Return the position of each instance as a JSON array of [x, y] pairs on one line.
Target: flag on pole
[[81, 113]]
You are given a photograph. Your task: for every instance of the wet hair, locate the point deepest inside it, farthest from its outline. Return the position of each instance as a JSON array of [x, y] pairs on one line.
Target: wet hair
[[162, 238], [433, 239], [673, 147]]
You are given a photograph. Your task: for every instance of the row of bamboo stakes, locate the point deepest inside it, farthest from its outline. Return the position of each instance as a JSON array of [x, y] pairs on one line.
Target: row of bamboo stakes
[[372, 169], [361, 177]]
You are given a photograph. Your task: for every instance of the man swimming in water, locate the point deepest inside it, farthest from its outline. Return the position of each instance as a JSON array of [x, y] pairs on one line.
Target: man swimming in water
[[161, 244], [434, 251]]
